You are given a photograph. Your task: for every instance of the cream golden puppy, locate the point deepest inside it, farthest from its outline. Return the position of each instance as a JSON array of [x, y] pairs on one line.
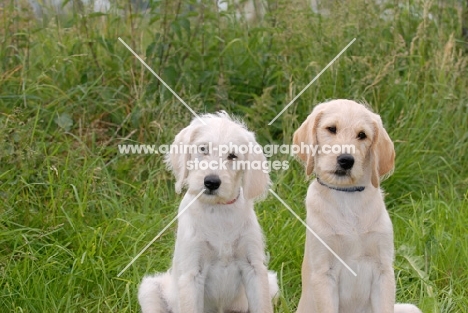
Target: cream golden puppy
[[219, 260], [345, 208]]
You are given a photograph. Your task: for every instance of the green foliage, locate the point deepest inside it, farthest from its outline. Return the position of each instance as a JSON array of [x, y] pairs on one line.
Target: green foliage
[[74, 211]]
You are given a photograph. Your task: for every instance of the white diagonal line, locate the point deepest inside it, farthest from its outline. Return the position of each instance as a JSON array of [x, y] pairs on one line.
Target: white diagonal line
[[313, 80], [313, 233], [160, 233], [161, 80]]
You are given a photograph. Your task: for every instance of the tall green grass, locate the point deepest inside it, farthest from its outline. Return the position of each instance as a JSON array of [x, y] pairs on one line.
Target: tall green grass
[[74, 212]]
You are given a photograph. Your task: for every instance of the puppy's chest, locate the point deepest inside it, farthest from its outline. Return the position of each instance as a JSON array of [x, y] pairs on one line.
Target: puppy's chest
[[223, 251], [222, 239], [357, 236]]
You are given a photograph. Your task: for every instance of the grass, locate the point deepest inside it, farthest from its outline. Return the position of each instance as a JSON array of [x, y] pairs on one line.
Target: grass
[[74, 211]]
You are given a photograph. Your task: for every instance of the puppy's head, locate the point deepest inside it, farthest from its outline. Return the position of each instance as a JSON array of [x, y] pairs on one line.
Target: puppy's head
[[219, 156], [352, 147]]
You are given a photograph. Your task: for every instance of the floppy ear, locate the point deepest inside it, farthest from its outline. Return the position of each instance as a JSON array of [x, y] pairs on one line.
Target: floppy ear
[[383, 154], [306, 134], [256, 179], [176, 160]]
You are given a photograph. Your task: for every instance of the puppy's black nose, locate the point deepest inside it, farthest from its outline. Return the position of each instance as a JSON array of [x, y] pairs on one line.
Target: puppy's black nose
[[345, 161], [212, 182]]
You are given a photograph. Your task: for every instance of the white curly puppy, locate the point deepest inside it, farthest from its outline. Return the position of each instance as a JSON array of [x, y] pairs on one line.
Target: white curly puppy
[[345, 207], [219, 260]]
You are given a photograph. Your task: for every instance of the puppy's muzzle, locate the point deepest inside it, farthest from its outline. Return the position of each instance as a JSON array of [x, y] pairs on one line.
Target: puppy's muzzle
[[212, 182], [345, 163]]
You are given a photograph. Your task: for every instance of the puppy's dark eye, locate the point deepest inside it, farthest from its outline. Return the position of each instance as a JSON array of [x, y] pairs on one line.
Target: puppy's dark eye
[[232, 156], [361, 135], [203, 149], [332, 129]]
